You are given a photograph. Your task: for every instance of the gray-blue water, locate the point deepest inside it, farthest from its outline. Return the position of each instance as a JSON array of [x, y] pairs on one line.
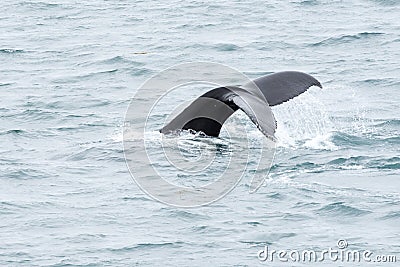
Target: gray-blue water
[[69, 69]]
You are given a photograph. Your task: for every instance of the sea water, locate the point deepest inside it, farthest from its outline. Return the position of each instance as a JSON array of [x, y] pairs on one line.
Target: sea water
[[70, 68]]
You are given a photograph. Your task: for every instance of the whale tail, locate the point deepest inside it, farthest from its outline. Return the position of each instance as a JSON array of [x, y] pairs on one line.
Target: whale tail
[[209, 112]]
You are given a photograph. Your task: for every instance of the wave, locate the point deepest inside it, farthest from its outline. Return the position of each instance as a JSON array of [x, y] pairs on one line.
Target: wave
[[222, 47], [11, 51], [98, 154], [391, 122], [5, 84], [347, 38], [386, 2], [366, 162], [391, 215], [227, 47], [341, 209], [13, 132], [382, 82], [338, 164], [309, 2], [34, 115], [40, 5], [342, 139], [371, 138], [27, 174], [136, 199], [392, 140], [112, 61], [182, 214], [147, 246], [391, 41], [266, 238]]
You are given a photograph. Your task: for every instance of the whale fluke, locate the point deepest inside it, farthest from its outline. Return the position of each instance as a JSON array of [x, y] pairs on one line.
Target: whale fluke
[[283, 86], [209, 112]]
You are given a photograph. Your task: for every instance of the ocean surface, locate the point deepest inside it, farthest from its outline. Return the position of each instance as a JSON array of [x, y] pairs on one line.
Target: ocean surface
[[69, 70]]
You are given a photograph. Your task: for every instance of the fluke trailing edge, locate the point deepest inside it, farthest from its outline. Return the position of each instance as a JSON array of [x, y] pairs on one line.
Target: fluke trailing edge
[[209, 112]]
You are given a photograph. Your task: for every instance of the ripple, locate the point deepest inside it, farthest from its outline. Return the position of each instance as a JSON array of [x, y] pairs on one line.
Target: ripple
[[186, 214], [386, 2], [348, 140], [5, 84], [13, 132], [34, 114], [27, 174], [310, 3], [39, 4], [381, 82], [350, 160], [343, 39], [392, 122], [392, 216], [340, 209], [136, 199], [269, 239], [11, 51], [227, 47], [147, 246]]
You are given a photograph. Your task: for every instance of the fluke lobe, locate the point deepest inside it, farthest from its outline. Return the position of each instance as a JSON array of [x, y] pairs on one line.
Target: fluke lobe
[[209, 112]]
